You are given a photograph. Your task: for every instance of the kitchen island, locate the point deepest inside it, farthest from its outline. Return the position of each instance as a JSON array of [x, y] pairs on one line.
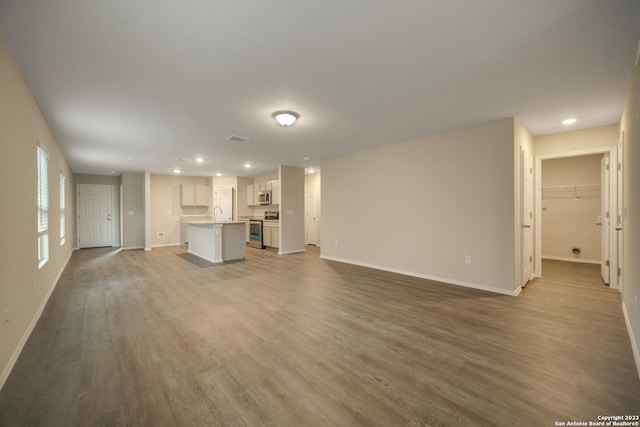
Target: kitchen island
[[217, 241]]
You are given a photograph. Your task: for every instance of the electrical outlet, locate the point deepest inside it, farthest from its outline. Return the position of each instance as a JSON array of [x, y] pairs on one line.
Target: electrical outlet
[[467, 259], [160, 234]]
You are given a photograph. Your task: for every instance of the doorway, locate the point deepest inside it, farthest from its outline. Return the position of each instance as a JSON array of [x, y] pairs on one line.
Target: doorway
[[312, 207], [95, 214], [575, 201]]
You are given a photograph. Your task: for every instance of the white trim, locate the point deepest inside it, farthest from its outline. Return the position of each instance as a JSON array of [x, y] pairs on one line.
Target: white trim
[[634, 344], [515, 292], [164, 245], [582, 260], [129, 248], [16, 353], [291, 252]]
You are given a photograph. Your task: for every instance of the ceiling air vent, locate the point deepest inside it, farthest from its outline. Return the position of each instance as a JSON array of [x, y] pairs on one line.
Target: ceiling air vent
[[237, 138]]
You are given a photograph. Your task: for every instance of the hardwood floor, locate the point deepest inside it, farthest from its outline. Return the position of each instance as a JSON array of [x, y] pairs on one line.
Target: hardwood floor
[[162, 338]]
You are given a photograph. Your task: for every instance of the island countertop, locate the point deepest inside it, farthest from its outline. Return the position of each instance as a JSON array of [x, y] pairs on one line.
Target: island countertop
[[217, 241]]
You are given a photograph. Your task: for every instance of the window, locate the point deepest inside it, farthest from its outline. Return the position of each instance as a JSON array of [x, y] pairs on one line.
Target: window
[[62, 208], [43, 207]]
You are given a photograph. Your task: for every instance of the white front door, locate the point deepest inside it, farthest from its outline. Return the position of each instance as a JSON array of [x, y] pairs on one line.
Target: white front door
[[95, 225], [311, 210], [604, 221], [527, 215]]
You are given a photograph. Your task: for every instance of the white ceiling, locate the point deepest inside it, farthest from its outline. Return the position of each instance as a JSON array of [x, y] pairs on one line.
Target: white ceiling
[[134, 85]]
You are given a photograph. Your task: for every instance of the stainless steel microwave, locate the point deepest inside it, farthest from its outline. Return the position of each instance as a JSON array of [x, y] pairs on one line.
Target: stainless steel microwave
[[264, 197]]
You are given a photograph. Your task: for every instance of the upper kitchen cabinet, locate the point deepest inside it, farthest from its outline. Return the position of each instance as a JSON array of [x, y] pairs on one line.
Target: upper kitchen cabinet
[[254, 189], [275, 192], [252, 195], [194, 195]]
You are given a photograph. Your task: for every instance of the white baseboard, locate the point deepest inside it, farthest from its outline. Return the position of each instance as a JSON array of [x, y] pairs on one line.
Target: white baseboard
[[514, 293], [164, 245], [291, 252], [27, 333], [634, 344], [582, 260], [131, 248]]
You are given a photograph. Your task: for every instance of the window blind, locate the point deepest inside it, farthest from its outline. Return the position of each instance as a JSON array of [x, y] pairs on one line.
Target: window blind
[[62, 207], [43, 190]]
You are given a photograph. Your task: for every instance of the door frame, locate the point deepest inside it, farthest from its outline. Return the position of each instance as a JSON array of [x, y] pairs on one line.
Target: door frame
[[523, 224], [613, 159], [78, 186], [317, 208]]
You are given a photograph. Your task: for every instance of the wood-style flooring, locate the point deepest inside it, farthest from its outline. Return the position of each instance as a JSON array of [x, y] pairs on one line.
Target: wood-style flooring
[[161, 338]]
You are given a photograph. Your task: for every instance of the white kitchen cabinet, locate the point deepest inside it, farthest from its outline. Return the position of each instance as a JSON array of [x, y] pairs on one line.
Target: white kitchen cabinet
[[275, 192], [270, 234], [275, 237], [250, 198], [194, 195], [266, 235]]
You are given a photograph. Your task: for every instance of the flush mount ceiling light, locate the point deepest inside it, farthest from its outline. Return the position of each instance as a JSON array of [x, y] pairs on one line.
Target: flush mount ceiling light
[[176, 171], [199, 159], [218, 174], [285, 117], [568, 121], [247, 165]]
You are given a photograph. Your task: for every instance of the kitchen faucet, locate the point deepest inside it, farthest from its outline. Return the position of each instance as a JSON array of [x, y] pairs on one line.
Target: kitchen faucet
[[214, 212]]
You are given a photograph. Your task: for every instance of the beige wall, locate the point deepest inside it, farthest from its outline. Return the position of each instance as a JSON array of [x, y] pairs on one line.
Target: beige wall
[[571, 141], [419, 207], [566, 221], [243, 210], [291, 209], [165, 209], [133, 210], [630, 125], [24, 288], [115, 182]]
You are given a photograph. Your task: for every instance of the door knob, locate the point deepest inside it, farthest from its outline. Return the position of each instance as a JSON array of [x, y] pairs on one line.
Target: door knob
[[618, 228], [526, 226], [599, 223]]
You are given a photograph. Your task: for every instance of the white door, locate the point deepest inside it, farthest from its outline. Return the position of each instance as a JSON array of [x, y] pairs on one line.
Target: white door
[[311, 210], [604, 221], [223, 206], [527, 215], [620, 211], [95, 225]]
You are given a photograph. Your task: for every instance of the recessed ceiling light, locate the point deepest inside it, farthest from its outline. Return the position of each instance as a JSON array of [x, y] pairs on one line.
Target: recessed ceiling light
[[285, 117], [176, 171], [311, 170], [306, 158], [218, 174], [113, 171], [568, 121], [247, 165], [199, 159]]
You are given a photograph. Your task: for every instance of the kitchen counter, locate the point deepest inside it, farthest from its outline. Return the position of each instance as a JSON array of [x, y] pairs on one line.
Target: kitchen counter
[[217, 241]]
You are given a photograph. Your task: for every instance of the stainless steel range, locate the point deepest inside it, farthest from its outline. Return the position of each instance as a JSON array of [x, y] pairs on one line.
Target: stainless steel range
[[255, 233]]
